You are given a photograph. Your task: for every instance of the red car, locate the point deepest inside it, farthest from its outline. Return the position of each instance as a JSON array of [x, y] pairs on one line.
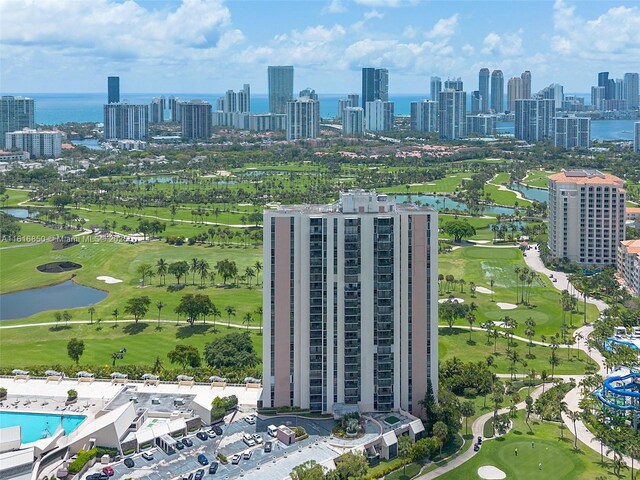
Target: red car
[[108, 470]]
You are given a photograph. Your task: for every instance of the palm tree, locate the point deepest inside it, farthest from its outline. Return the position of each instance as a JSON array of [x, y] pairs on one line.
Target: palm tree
[[258, 268], [574, 417], [203, 270], [471, 318], [249, 272], [91, 311], [247, 319], [115, 315], [215, 312], [161, 269], [159, 306], [517, 270], [260, 312], [194, 268], [231, 311]]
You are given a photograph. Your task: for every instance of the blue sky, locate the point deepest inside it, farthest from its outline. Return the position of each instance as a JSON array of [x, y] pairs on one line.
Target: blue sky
[[201, 46]]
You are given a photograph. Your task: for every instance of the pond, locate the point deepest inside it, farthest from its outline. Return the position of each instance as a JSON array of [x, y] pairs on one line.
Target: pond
[[538, 194], [19, 212], [54, 297], [444, 202]]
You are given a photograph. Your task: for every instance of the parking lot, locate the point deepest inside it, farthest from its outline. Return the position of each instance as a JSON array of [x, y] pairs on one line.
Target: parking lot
[[276, 464]]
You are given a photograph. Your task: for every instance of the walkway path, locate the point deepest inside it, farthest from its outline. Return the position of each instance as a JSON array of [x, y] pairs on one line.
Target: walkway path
[[147, 320]]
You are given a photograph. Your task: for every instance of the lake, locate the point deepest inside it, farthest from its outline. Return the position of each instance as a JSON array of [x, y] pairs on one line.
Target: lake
[[539, 194], [19, 212], [449, 203], [54, 297]]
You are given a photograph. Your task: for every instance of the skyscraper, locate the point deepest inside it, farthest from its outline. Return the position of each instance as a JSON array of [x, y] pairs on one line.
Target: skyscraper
[[483, 88], [454, 84], [570, 131], [482, 124], [113, 87], [342, 104], [526, 84], [355, 99], [353, 121], [280, 88], [350, 304], [424, 116], [452, 114], [514, 92], [608, 84], [631, 90], [375, 84], [586, 216], [123, 121], [16, 113], [554, 92], [534, 119], [156, 110], [308, 92], [303, 118], [636, 137], [476, 101], [435, 88], [497, 91], [597, 98], [195, 119], [379, 116]]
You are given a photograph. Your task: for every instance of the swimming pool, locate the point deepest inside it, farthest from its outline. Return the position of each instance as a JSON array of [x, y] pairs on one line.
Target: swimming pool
[[39, 425]]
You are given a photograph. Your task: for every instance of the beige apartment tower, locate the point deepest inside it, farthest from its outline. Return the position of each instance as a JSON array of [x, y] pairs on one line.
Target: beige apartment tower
[[586, 216], [350, 304]]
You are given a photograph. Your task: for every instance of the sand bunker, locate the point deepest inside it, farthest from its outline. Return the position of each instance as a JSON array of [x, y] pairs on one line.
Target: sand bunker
[[108, 279], [484, 290], [452, 300], [489, 472], [506, 306]]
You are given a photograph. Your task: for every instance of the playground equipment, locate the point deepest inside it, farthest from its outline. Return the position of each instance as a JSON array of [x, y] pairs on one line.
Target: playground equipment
[[620, 394], [620, 337]]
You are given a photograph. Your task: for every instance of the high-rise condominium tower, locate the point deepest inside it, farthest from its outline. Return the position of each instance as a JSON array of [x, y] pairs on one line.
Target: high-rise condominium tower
[[16, 113], [483, 88], [303, 118], [113, 87], [375, 85], [353, 121], [526, 84], [452, 112], [570, 131], [435, 88], [350, 305], [631, 90], [497, 91], [424, 116], [196, 119], [379, 116], [514, 92], [280, 88], [586, 216], [123, 121], [534, 119]]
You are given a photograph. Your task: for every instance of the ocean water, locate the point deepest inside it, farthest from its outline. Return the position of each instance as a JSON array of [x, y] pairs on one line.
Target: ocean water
[[56, 108]]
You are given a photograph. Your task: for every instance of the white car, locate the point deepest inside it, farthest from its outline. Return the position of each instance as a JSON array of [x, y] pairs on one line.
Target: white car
[[251, 420], [258, 438]]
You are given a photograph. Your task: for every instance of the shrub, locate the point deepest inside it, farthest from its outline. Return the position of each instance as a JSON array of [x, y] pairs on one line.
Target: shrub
[[3, 392], [222, 457], [72, 394], [83, 458]]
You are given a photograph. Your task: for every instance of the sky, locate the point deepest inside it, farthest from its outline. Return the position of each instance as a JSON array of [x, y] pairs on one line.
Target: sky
[[210, 46]]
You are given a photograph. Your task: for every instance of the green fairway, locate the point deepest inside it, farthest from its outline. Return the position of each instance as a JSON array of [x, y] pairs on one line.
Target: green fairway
[[453, 343], [556, 456], [448, 184], [538, 178], [483, 264], [35, 232]]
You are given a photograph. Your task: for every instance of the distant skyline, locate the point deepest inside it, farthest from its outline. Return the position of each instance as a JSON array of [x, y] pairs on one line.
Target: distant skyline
[[199, 46]]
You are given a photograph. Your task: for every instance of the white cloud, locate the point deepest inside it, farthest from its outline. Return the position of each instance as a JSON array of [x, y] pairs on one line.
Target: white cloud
[[468, 49], [334, 6], [386, 3], [410, 32], [445, 27], [614, 35], [507, 45], [373, 14]]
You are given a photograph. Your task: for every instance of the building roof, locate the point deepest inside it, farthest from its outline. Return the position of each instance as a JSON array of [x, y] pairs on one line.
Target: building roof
[[583, 176], [631, 246], [633, 210]]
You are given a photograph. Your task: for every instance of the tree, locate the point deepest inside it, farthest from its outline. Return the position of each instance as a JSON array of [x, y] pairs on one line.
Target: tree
[[66, 316], [471, 318], [226, 269], [92, 311], [247, 320], [428, 403], [58, 317], [260, 312], [233, 351], [144, 270], [115, 314], [349, 466], [467, 409], [309, 470], [178, 269], [185, 355], [440, 432], [258, 268], [194, 268], [137, 306], [458, 229], [249, 273], [231, 311], [159, 306], [423, 448], [161, 270], [75, 349], [404, 449], [574, 417]]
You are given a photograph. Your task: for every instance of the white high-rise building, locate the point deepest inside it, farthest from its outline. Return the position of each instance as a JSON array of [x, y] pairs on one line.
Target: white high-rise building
[[342, 104], [16, 113], [534, 119], [570, 131], [353, 121], [350, 305], [39, 143], [424, 116], [452, 114], [597, 98], [379, 116], [435, 88], [628, 264], [631, 90], [482, 124], [123, 121], [514, 92], [586, 216], [303, 118]]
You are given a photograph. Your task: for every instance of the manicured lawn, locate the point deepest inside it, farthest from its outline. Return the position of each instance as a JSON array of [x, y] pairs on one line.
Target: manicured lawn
[[453, 343], [482, 264], [34, 232], [558, 458], [47, 345], [120, 260], [406, 473], [16, 196], [538, 178], [447, 184]]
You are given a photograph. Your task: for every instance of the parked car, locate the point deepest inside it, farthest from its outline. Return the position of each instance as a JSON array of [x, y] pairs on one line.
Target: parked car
[[247, 455], [213, 468], [203, 460], [97, 476], [258, 438], [248, 440], [217, 429], [190, 477], [211, 434], [199, 475], [108, 470], [268, 446], [179, 445], [187, 442], [236, 459], [147, 456], [128, 462], [202, 436], [251, 420]]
